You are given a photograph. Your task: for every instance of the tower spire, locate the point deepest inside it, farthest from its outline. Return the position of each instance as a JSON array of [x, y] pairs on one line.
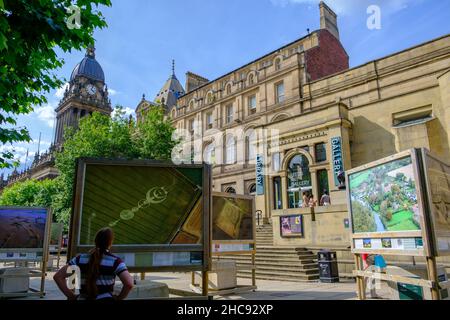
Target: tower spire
[[173, 67]]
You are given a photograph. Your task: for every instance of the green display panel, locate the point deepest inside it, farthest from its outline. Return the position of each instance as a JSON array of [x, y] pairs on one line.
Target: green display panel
[[384, 198], [159, 212], [143, 205]]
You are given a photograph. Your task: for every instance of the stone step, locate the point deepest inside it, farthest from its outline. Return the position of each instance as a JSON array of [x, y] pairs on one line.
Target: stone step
[[310, 269], [280, 276], [279, 260]]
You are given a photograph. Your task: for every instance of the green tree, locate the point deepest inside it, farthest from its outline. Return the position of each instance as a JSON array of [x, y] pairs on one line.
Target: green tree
[[30, 193], [30, 33], [152, 136], [363, 219]]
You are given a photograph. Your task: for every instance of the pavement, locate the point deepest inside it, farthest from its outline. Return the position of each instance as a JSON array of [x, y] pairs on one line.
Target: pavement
[[266, 290]]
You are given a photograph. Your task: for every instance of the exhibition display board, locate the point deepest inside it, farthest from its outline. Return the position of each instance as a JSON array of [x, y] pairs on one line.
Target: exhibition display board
[[24, 238], [55, 244], [159, 212], [400, 205], [233, 231], [233, 223]]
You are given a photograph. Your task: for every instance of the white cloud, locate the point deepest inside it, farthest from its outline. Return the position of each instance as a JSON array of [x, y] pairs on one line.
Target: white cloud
[[60, 92], [20, 153], [128, 111], [113, 92], [46, 114], [348, 7]]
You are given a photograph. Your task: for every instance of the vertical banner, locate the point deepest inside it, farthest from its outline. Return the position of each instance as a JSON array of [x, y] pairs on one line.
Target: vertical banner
[[338, 163], [259, 175]]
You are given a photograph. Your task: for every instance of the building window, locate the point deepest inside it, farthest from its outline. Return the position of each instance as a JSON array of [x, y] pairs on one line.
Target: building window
[[251, 79], [229, 111], [276, 161], [228, 89], [210, 154], [299, 181], [279, 92], [209, 120], [230, 190], [250, 146], [191, 105], [191, 126], [320, 152], [230, 150], [322, 180], [277, 201], [252, 104], [277, 64], [252, 190], [209, 98], [192, 154]]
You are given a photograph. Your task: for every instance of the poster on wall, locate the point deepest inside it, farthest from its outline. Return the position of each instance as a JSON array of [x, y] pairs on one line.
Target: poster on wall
[[438, 177], [384, 198], [152, 208], [291, 226]]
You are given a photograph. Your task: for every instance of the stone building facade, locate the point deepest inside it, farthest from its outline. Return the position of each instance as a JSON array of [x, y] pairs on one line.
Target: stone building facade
[[306, 117]]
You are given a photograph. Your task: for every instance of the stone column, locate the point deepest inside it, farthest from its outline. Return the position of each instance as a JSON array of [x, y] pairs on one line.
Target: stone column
[[284, 191]]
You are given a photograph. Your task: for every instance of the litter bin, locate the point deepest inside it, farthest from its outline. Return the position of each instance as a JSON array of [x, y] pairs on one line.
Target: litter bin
[[328, 266]]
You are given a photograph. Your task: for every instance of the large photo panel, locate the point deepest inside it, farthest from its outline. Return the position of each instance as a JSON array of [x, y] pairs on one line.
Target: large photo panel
[[233, 223], [157, 211], [384, 198], [22, 228], [387, 208], [438, 177]]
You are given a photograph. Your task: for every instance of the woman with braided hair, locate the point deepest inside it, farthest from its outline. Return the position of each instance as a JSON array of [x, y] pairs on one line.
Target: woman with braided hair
[[99, 269]]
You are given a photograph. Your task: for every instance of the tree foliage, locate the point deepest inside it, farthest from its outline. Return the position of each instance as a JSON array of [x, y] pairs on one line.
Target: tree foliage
[[30, 32], [30, 193]]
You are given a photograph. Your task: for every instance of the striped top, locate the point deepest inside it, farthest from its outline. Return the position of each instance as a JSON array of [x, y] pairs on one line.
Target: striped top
[[110, 267]]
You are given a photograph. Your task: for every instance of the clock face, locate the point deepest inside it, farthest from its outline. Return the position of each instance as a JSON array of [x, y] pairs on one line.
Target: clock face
[[91, 89]]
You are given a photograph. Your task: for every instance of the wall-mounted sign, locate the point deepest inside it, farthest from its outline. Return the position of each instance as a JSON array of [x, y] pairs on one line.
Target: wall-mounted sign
[[291, 226], [259, 175], [338, 163]]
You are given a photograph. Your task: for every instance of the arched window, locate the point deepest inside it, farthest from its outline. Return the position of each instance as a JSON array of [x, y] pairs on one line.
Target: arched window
[[230, 150], [209, 98], [174, 113], [299, 181], [251, 79], [277, 64], [250, 145], [230, 190], [228, 89], [252, 189], [210, 154]]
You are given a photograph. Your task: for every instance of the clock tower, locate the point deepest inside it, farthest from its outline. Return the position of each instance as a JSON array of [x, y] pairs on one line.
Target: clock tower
[[85, 94]]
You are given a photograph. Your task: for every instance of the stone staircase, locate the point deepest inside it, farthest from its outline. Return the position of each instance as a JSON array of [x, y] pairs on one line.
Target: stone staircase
[[277, 262]]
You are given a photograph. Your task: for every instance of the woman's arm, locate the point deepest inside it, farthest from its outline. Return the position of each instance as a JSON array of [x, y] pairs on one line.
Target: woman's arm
[[60, 279], [127, 284]]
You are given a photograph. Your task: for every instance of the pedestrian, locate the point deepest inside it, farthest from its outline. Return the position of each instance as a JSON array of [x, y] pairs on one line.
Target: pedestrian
[[99, 269], [305, 200], [325, 199]]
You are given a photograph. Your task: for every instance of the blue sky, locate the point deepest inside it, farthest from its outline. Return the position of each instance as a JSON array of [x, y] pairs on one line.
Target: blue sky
[[213, 37]]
